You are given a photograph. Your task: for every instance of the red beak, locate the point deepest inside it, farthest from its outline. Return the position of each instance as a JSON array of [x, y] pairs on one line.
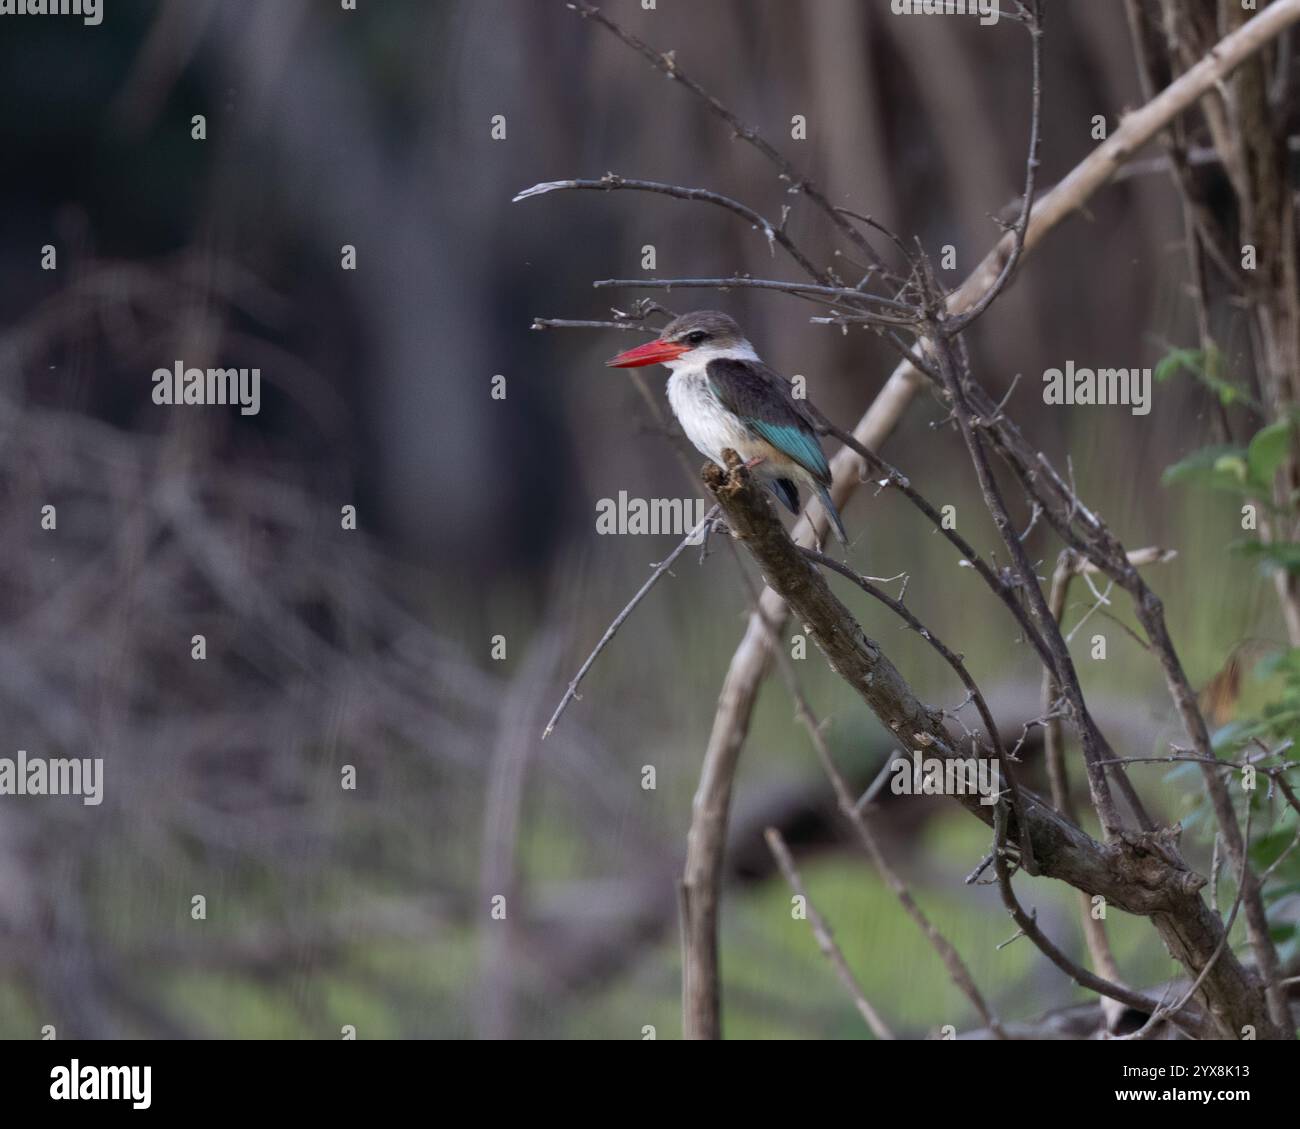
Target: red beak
[[651, 353]]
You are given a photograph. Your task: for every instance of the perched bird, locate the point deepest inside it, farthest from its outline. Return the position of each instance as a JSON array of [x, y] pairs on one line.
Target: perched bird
[[724, 396]]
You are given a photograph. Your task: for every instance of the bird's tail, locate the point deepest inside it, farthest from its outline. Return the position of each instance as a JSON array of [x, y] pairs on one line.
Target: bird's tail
[[833, 514]]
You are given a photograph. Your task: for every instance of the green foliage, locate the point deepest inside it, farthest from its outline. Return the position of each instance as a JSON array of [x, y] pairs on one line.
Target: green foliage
[[1247, 472], [1268, 451], [1273, 726], [1283, 555], [1206, 367], [1220, 468]]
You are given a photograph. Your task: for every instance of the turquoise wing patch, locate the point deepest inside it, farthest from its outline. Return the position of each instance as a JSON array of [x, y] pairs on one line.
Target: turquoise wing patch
[[795, 442]]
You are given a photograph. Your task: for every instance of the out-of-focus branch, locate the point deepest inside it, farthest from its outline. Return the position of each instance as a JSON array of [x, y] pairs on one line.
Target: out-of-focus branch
[[832, 294], [572, 323], [660, 569], [798, 182], [1032, 12], [610, 182], [825, 939]]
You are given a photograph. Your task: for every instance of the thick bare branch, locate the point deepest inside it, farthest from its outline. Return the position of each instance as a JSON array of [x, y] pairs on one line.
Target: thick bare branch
[[750, 662], [855, 814], [1140, 872]]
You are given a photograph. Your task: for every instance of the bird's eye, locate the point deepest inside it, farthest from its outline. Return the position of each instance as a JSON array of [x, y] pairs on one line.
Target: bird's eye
[[699, 337]]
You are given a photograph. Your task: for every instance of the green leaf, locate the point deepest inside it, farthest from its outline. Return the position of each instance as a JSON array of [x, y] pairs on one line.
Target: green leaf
[[1281, 931], [1228, 739], [1275, 891], [1268, 450], [1234, 466], [1183, 772], [1207, 367], [1281, 554], [1200, 466], [1176, 360], [1266, 850], [1284, 662]]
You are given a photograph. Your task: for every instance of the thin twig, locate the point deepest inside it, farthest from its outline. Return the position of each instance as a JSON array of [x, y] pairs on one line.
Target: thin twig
[[963, 321], [798, 182], [660, 569], [825, 939], [787, 286], [959, 668], [611, 182]]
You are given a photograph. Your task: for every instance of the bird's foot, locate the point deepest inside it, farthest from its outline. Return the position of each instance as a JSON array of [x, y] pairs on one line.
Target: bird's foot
[[757, 460]]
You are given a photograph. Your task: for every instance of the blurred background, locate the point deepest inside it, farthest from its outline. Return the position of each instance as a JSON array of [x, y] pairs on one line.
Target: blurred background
[[428, 647]]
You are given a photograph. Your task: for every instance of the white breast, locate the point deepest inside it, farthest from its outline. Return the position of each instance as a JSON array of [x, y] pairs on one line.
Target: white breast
[[706, 422]]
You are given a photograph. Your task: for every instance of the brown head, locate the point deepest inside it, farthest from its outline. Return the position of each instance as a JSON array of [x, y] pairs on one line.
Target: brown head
[[709, 330]]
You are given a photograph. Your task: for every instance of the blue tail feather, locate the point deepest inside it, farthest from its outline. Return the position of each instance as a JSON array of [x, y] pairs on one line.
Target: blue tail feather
[[833, 514], [786, 490]]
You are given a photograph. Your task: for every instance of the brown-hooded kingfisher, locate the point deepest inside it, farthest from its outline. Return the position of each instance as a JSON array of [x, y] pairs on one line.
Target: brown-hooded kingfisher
[[724, 396]]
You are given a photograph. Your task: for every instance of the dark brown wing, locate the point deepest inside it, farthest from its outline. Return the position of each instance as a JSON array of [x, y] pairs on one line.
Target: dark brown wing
[[764, 402]]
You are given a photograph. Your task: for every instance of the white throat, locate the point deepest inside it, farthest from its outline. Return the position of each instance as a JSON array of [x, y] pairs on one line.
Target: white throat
[[701, 355]]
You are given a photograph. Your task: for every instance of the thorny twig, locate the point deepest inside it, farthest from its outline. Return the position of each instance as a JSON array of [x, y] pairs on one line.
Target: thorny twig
[[660, 570], [854, 812]]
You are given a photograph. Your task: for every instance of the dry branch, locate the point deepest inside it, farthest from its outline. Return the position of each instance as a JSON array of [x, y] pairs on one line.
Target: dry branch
[[1139, 872], [825, 939], [750, 662], [853, 812], [1185, 931]]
